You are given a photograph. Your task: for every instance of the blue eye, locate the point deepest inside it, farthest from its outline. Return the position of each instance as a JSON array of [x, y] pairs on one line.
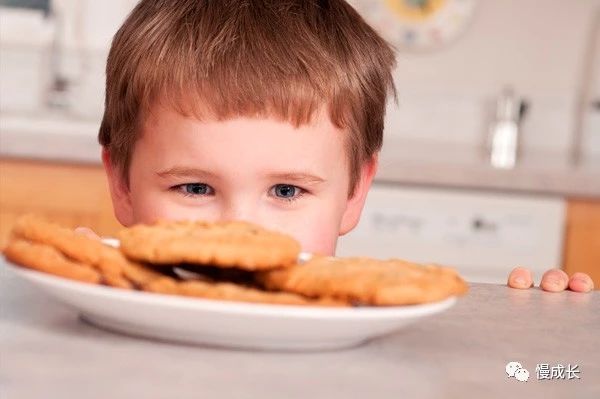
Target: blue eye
[[196, 189], [287, 192]]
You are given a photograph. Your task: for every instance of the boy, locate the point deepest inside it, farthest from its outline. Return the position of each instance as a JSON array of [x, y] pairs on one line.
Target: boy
[[269, 111]]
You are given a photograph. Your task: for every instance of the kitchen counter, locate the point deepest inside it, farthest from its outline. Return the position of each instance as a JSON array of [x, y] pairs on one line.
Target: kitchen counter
[[451, 165], [47, 351], [443, 165]]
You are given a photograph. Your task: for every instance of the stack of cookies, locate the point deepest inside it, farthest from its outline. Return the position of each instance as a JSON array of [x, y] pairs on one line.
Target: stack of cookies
[[233, 261]]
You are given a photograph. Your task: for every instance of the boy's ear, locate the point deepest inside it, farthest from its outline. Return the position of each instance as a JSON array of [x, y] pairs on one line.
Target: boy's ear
[[356, 202], [119, 191]]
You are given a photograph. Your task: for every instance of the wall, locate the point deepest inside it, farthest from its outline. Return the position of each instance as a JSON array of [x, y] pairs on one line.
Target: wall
[[537, 46]]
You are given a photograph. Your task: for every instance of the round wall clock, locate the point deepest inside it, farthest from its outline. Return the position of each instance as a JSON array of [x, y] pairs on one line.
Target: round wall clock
[[417, 24]]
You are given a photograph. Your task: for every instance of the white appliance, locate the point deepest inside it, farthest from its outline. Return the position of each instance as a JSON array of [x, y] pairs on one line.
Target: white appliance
[[483, 235]]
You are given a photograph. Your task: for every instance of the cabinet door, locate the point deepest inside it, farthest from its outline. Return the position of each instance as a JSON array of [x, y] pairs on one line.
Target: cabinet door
[[582, 243], [73, 195]]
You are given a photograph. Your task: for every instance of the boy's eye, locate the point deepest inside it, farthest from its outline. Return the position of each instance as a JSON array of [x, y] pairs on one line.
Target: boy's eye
[[286, 191], [196, 189]]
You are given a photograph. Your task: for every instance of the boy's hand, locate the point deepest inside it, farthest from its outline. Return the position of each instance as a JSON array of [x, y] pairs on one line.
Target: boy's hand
[[554, 280]]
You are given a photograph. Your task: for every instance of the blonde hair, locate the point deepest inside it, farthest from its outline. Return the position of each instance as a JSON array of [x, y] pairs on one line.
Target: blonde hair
[[255, 58]]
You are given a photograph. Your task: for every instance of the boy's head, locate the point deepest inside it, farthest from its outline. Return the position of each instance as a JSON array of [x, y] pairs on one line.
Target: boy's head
[[269, 111]]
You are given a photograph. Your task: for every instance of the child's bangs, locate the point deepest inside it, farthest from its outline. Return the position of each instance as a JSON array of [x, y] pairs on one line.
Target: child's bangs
[[242, 88]]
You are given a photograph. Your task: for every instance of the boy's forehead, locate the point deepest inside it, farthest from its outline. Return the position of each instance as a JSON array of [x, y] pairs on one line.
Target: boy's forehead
[[162, 121], [182, 141]]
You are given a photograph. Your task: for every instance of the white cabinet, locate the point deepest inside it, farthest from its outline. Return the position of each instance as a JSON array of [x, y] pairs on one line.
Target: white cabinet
[[483, 235], [25, 41]]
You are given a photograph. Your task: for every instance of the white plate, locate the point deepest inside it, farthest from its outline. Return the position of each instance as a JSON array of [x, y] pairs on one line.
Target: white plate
[[228, 324]]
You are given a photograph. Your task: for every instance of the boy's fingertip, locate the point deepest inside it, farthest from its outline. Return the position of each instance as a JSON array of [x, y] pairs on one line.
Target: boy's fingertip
[[585, 278], [520, 278], [554, 280], [519, 283], [553, 285], [578, 284]]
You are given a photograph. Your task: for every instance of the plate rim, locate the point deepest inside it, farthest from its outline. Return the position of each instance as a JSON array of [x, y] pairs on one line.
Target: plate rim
[[230, 307]]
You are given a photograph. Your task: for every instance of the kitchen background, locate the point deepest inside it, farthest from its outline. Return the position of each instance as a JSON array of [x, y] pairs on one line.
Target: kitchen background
[[471, 76]]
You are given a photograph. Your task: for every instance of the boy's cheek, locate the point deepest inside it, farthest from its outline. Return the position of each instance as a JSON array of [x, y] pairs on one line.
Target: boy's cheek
[[317, 236], [149, 208], [322, 246]]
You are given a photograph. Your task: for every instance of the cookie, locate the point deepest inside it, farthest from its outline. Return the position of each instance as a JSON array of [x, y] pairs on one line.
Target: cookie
[[78, 248], [367, 281], [117, 281], [224, 244], [141, 275], [47, 259], [233, 292]]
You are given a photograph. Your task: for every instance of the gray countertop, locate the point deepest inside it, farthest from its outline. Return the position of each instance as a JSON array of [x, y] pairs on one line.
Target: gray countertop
[[48, 352], [463, 167], [421, 163]]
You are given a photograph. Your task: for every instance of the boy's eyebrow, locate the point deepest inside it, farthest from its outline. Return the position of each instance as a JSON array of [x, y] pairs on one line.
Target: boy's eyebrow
[[184, 171], [297, 177]]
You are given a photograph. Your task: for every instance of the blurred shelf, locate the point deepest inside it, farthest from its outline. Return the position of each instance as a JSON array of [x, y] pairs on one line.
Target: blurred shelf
[[461, 166], [50, 136]]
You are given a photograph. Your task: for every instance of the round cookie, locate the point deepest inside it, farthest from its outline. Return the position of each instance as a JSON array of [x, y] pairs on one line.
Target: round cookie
[[74, 247], [47, 259], [367, 281], [225, 244], [224, 291]]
